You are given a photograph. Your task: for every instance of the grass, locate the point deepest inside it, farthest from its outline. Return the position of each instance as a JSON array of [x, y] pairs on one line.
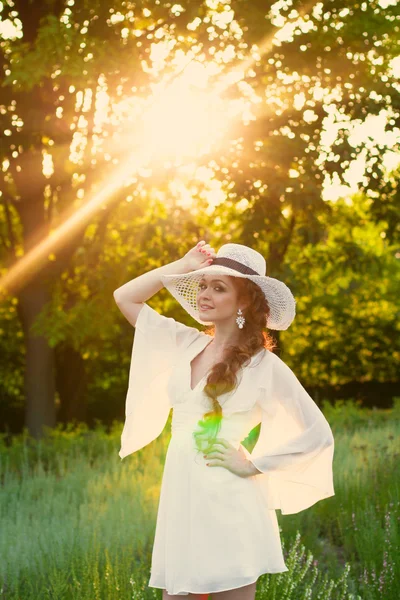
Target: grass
[[77, 523]]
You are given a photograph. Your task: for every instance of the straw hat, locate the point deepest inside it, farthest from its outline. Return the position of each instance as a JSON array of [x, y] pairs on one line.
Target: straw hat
[[235, 260]]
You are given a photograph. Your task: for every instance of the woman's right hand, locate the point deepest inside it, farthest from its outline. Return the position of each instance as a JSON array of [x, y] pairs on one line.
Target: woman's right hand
[[199, 256]]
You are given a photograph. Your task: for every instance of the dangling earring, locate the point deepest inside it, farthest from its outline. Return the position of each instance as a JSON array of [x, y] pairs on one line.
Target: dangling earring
[[240, 320]]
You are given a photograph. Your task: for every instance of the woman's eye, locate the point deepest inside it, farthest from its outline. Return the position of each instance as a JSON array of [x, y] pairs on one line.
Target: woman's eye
[[217, 287]]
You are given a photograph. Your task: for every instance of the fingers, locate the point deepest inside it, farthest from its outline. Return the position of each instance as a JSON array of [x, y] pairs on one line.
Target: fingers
[[214, 454], [216, 464], [203, 245], [218, 449], [205, 249], [221, 441]]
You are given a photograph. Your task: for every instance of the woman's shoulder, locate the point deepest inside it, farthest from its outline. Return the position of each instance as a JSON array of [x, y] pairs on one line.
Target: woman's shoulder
[[262, 358], [270, 358], [266, 365]]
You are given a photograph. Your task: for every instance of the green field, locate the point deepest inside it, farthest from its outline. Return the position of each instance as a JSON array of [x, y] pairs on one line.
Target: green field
[[78, 523]]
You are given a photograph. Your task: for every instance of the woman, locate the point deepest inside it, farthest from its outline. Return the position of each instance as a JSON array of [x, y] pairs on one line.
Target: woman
[[217, 529]]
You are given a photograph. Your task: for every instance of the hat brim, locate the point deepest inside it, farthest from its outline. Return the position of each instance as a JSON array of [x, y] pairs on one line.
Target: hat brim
[[184, 288]]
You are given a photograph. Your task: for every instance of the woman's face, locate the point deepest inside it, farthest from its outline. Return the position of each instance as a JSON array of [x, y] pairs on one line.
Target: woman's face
[[218, 292]]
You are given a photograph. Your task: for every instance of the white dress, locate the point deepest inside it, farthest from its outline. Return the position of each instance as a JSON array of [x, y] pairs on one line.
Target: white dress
[[215, 530]]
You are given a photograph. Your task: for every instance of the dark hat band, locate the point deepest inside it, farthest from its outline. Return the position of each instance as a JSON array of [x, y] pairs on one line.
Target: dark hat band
[[234, 264]]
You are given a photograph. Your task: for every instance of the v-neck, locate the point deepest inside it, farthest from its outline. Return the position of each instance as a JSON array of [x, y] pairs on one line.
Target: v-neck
[[203, 347], [208, 341]]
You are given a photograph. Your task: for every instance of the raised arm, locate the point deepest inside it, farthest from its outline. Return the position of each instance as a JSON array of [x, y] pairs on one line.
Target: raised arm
[[157, 342], [131, 296]]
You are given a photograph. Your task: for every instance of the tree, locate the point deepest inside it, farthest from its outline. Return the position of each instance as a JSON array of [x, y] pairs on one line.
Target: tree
[[62, 59]]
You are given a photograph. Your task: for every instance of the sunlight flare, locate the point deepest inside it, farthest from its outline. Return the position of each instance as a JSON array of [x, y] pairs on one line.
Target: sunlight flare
[[182, 120]]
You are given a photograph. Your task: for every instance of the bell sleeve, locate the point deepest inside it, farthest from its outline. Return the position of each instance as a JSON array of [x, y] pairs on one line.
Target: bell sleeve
[[294, 451], [157, 342]]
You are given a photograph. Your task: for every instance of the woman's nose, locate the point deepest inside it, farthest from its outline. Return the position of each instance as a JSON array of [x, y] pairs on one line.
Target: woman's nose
[[204, 297]]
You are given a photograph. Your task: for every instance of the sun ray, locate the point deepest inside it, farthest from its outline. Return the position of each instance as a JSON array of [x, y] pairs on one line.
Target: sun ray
[[152, 144]]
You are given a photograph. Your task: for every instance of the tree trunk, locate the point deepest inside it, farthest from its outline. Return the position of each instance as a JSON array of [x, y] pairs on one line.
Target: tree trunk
[[39, 371], [71, 384]]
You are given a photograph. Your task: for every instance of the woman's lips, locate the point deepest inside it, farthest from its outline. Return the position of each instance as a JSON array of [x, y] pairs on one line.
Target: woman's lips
[[205, 308]]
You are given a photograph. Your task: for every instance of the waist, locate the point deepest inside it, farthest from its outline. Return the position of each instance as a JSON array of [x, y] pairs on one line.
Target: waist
[[184, 427], [185, 431]]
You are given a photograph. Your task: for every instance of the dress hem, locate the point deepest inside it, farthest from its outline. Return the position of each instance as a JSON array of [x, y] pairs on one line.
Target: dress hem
[[185, 592]]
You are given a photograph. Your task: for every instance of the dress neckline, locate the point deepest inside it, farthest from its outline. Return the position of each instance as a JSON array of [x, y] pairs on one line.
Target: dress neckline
[[203, 347], [208, 339]]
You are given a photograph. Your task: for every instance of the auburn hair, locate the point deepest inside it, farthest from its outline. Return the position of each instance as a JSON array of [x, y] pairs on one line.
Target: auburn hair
[[223, 376]]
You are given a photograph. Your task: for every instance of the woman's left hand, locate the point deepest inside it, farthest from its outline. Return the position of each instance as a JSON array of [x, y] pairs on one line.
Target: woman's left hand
[[225, 455]]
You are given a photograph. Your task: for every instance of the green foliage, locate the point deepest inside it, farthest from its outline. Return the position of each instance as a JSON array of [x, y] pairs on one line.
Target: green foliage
[[347, 288], [12, 353], [272, 169], [32, 64], [349, 415]]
